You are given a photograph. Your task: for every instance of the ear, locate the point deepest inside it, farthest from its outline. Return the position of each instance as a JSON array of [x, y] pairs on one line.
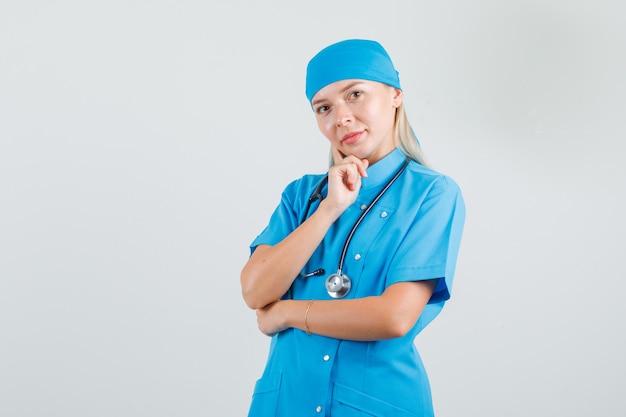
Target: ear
[[396, 97]]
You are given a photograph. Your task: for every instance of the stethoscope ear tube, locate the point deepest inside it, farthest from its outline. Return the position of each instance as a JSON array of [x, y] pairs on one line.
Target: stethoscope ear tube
[[315, 273], [316, 195]]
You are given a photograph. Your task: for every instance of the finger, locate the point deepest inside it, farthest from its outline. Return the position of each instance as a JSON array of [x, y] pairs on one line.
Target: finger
[[361, 164], [353, 178], [337, 156], [363, 167]]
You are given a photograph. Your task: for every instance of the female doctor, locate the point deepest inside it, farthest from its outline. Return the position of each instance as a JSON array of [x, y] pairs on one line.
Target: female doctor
[[355, 263]]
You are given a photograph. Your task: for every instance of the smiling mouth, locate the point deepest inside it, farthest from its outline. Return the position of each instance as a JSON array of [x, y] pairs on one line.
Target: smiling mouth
[[350, 138]]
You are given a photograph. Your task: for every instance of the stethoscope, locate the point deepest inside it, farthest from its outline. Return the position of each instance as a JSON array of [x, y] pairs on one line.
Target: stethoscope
[[338, 284]]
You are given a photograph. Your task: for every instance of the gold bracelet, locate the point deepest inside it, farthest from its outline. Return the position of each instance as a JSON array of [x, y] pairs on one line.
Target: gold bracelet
[[306, 316]]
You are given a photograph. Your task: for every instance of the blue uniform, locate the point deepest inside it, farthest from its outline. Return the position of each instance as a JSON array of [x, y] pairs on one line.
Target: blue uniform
[[413, 233]]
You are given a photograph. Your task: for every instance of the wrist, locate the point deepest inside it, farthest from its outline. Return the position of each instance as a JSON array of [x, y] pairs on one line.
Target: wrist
[[296, 314], [287, 313], [328, 211], [306, 317]]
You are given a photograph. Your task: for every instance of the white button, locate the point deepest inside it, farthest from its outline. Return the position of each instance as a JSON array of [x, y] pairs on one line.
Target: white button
[[326, 358], [357, 256], [383, 214], [319, 409], [363, 206]]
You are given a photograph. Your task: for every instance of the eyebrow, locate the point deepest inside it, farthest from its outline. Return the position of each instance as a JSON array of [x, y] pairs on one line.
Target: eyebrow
[[343, 90]]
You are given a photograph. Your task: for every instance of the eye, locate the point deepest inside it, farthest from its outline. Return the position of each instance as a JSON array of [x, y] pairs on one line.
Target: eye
[[321, 109], [355, 94]]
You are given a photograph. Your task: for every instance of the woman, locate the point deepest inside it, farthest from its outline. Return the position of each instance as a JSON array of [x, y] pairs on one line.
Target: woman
[[354, 265]]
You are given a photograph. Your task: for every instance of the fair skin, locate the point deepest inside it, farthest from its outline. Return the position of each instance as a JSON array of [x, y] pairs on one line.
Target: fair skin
[[357, 117]]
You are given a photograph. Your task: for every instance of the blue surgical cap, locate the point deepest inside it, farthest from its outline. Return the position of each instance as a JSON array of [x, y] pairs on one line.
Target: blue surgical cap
[[350, 59]]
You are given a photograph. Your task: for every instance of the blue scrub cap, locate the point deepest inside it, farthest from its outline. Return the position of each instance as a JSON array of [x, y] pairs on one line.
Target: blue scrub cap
[[350, 59]]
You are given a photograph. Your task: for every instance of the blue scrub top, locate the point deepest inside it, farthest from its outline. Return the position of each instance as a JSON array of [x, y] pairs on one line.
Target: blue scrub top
[[413, 233]]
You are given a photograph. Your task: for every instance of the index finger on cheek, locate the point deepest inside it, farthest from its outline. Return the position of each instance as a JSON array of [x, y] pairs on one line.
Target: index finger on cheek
[[337, 156]]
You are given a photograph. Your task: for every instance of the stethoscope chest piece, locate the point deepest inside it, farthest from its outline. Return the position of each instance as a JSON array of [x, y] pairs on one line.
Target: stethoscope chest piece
[[338, 285]]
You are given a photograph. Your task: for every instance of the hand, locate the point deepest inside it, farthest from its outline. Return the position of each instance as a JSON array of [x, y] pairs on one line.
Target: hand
[[344, 180], [270, 318]]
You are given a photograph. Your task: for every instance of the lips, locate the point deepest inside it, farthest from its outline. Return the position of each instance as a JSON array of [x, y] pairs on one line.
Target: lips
[[352, 137]]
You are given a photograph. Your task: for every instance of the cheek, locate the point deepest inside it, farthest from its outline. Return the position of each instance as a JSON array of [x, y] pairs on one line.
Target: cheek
[[326, 127], [383, 115]]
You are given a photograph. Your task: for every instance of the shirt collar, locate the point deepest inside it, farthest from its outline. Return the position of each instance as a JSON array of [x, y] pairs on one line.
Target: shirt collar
[[384, 169]]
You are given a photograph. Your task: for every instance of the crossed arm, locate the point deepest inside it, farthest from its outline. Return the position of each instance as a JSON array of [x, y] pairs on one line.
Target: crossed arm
[[386, 316], [270, 271], [391, 314]]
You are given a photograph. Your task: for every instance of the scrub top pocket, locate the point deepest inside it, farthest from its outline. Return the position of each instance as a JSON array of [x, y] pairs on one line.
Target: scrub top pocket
[[265, 397], [348, 402]]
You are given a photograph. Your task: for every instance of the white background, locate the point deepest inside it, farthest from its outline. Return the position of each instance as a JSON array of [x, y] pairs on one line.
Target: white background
[[144, 144]]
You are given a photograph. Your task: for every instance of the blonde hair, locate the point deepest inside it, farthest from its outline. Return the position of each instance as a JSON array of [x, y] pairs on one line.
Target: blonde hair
[[405, 139]]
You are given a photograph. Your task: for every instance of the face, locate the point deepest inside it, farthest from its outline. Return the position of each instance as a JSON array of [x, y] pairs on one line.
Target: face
[[357, 117]]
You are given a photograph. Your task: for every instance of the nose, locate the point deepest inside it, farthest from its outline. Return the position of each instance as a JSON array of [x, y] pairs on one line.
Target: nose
[[343, 115]]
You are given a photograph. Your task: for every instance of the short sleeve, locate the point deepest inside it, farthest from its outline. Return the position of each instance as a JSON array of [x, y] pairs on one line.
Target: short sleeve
[[289, 212], [431, 246]]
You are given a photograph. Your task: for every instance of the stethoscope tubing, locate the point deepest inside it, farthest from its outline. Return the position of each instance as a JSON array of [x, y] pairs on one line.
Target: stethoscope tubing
[[366, 211], [345, 280]]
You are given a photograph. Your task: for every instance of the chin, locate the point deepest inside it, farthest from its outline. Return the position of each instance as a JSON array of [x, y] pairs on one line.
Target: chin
[[359, 153]]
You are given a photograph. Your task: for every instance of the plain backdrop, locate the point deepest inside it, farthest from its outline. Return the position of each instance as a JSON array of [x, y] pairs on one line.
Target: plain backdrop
[[144, 144]]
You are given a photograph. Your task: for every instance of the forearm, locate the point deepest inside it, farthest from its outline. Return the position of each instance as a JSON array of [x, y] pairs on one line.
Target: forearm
[[363, 319], [270, 271], [386, 316]]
